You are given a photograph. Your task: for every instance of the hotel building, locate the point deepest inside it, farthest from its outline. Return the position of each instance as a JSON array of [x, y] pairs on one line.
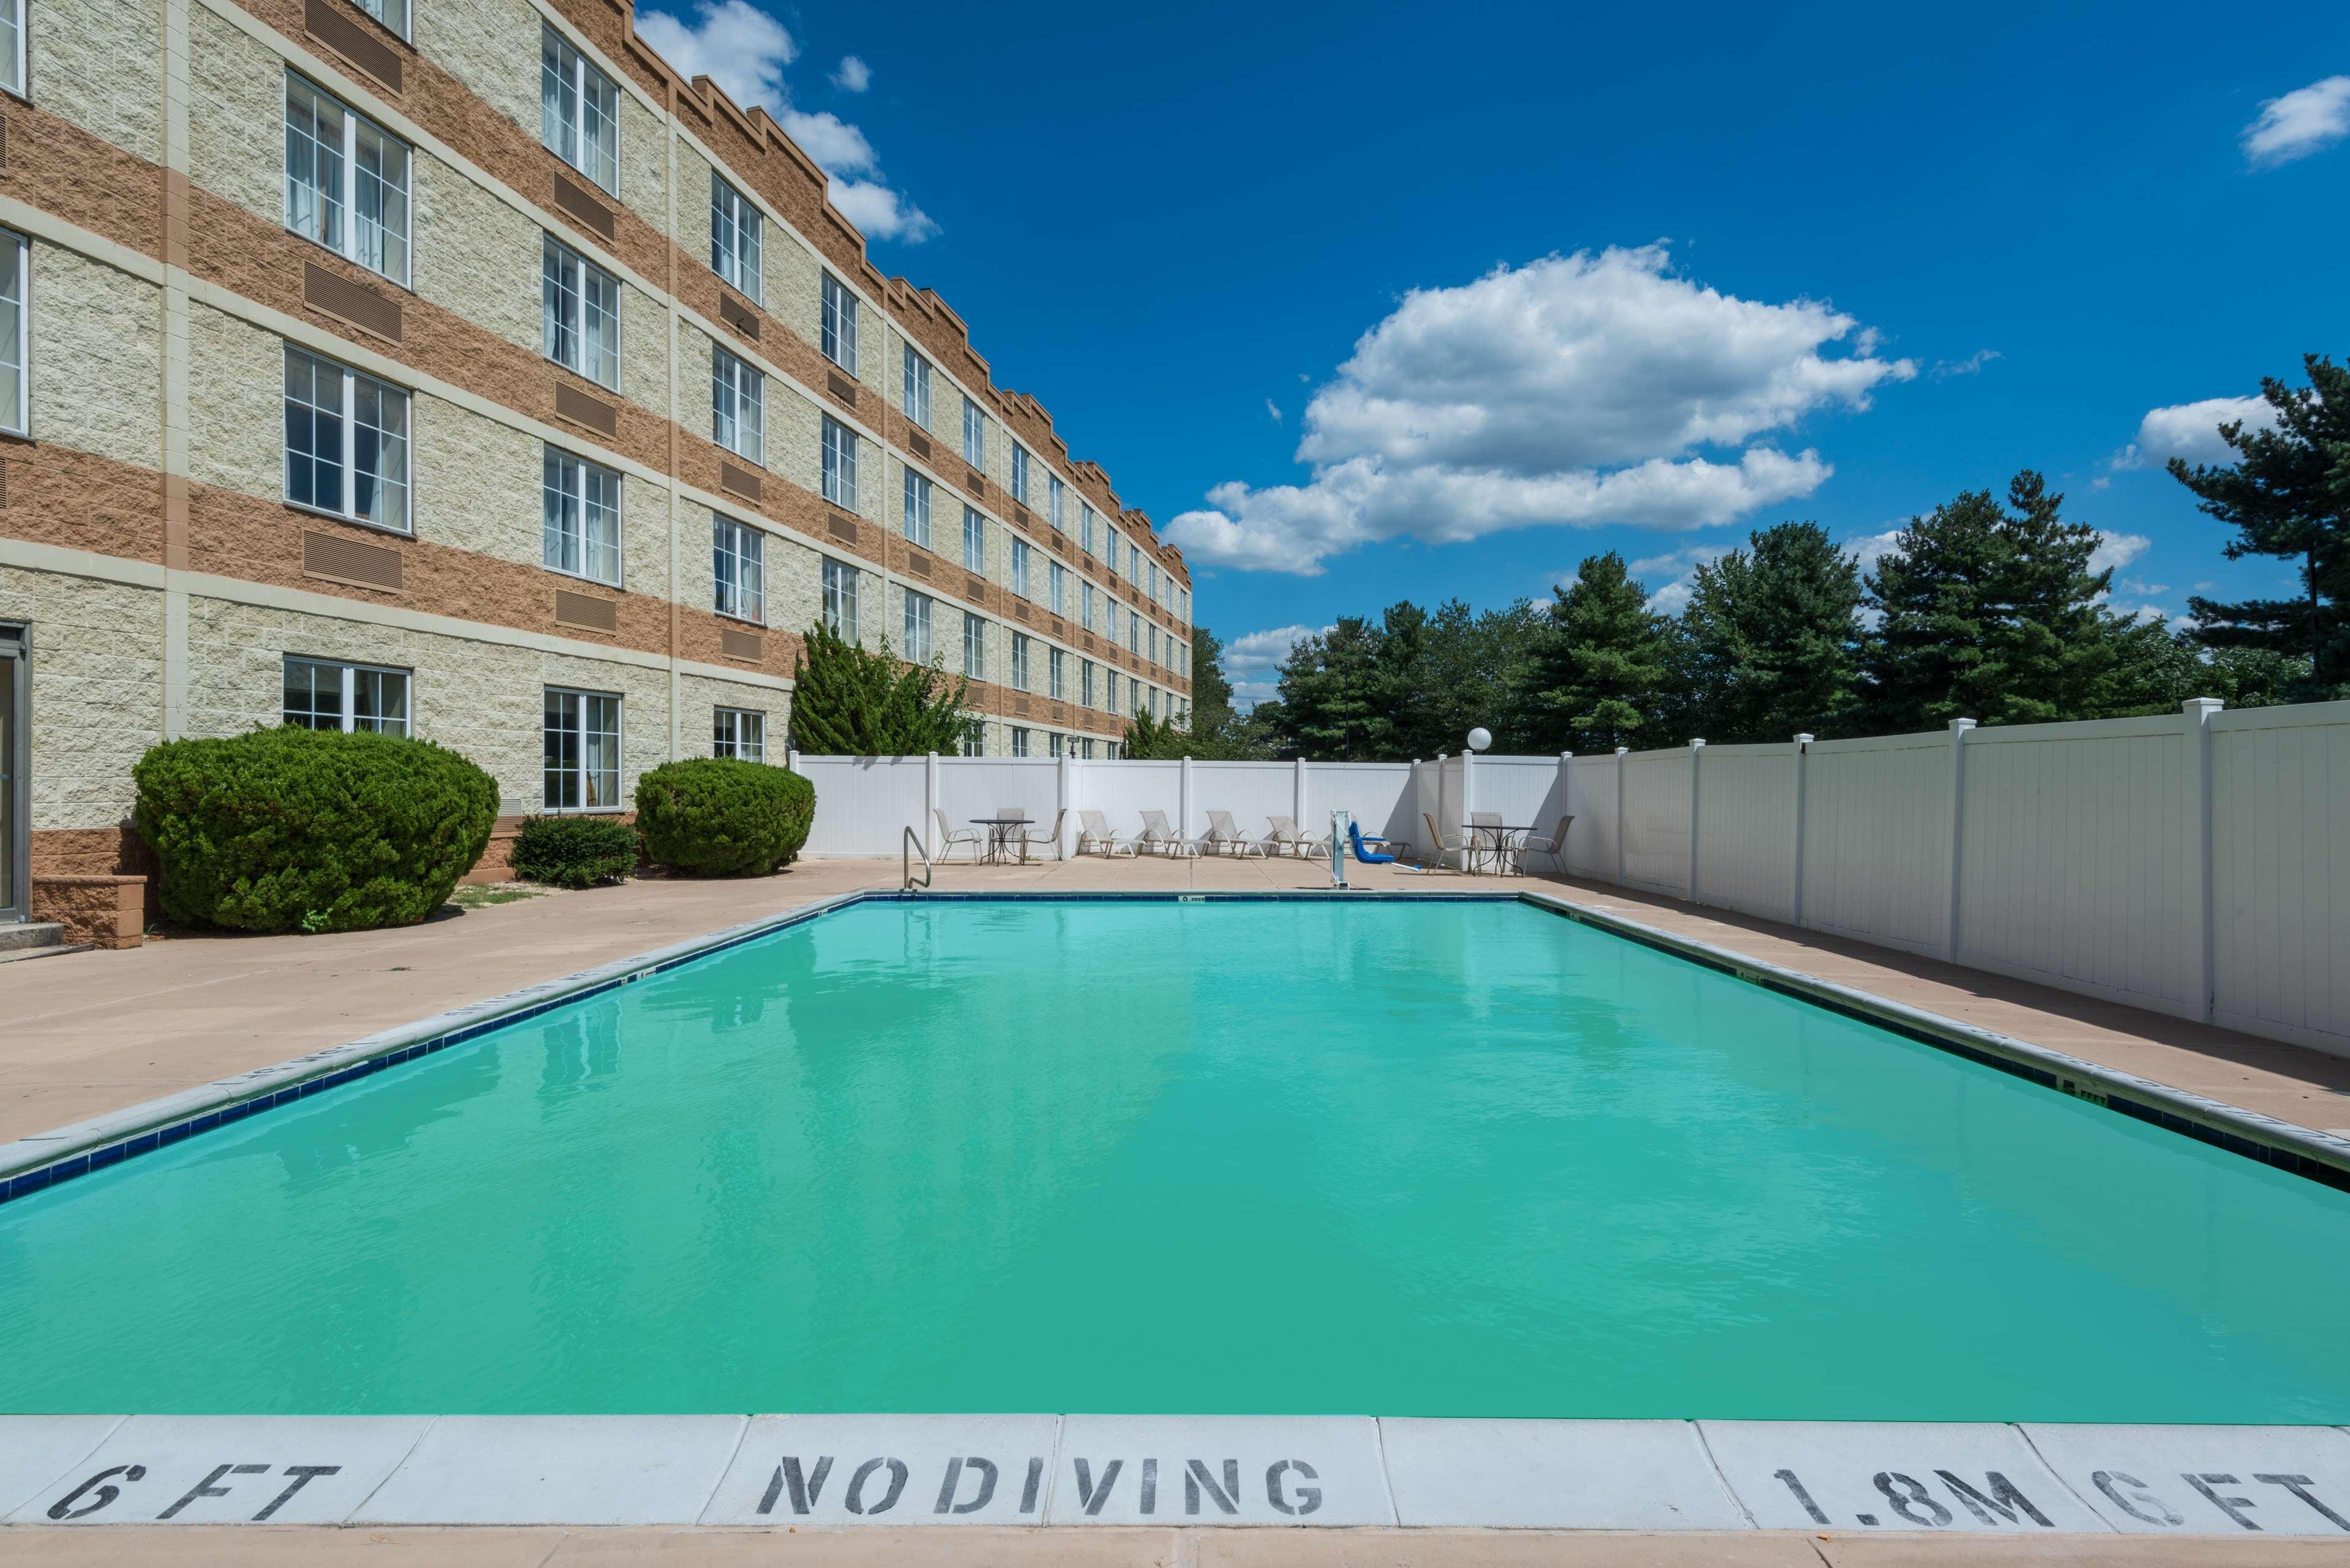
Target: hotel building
[[455, 368]]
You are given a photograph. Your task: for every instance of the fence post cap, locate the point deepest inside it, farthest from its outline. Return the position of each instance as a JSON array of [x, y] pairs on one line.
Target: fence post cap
[[1958, 726], [2201, 705], [1623, 750], [1804, 739], [1695, 745]]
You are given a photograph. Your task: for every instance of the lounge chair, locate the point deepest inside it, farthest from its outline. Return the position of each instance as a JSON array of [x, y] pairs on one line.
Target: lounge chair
[[1093, 836], [1441, 844], [1051, 836], [1285, 839], [1224, 835], [1160, 838], [1554, 846], [951, 835]]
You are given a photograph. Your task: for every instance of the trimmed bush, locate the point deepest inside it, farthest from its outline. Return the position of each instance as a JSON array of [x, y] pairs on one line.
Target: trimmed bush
[[313, 830], [573, 851], [716, 816]]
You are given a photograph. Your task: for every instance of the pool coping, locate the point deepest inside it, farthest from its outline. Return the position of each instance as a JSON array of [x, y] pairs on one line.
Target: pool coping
[[39, 1161]]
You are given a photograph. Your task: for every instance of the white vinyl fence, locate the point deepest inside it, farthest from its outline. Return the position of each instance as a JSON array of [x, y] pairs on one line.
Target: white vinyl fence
[[2198, 864]]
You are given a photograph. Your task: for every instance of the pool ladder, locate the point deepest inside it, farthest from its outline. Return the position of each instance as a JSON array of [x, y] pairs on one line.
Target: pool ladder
[[907, 851]]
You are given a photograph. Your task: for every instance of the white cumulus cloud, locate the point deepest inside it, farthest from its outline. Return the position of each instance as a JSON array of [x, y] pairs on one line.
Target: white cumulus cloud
[[2116, 550], [2304, 120], [2191, 431], [1573, 391], [1253, 663], [745, 51]]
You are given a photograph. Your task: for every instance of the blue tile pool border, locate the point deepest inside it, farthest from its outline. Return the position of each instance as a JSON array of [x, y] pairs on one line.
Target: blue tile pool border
[[26, 1168]]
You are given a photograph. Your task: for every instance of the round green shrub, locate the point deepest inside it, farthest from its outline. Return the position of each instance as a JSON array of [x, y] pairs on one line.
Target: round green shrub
[[573, 851], [313, 830], [717, 816]]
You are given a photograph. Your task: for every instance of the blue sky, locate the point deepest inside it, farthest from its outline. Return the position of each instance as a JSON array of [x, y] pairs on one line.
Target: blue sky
[[1371, 302]]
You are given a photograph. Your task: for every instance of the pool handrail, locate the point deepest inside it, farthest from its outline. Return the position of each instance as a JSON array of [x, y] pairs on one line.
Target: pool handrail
[[912, 847]]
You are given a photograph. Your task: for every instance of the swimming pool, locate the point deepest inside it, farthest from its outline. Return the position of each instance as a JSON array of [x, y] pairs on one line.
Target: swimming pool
[[1458, 1158]]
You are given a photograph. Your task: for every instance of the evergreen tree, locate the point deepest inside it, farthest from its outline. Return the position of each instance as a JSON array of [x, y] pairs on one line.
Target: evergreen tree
[[1211, 693], [1773, 637], [1596, 677], [1451, 669], [1990, 614], [849, 702], [2157, 670], [1333, 696], [2287, 495]]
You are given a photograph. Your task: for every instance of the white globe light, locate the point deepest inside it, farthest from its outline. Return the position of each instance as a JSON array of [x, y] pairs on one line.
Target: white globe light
[[1480, 739]]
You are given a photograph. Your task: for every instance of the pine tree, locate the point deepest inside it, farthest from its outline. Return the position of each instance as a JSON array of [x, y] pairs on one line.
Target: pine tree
[[1774, 636], [1333, 696], [849, 702], [1596, 677], [2287, 495], [1990, 614]]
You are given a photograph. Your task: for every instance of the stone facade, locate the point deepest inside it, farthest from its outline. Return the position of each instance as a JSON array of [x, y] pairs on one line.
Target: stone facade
[[166, 583]]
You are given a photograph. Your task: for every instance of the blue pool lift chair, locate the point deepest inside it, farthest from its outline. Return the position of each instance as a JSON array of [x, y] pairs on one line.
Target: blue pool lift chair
[[1384, 855]]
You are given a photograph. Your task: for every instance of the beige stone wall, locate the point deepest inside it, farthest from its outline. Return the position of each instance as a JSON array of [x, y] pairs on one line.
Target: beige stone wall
[[477, 256], [237, 422], [794, 433], [98, 691], [793, 293], [644, 716], [644, 165], [644, 365], [693, 234], [698, 695], [644, 540], [492, 46], [476, 484], [98, 371], [236, 116], [80, 61]]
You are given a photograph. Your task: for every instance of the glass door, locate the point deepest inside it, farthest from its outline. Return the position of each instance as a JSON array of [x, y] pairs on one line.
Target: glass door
[[15, 882]]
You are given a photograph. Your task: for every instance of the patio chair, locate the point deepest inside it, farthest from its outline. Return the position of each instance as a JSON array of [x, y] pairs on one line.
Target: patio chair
[[1161, 838], [1484, 845], [1385, 855], [951, 836], [1224, 836], [1093, 836], [1554, 846], [1285, 839], [1441, 844], [1051, 837]]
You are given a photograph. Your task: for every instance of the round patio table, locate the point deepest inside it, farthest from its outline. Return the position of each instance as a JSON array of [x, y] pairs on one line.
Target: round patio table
[[1492, 838], [999, 835]]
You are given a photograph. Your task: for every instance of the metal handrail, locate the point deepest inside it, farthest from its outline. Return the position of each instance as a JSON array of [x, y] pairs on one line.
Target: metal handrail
[[905, 853]]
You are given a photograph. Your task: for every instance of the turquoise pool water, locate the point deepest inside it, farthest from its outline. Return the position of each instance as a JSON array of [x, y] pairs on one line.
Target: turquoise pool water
[[1406, 1159]]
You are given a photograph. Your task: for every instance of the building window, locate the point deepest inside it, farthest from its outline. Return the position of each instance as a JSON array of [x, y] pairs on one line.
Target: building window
[[734, 413], [1154, 644], [738, 558], [1086, 605], [975, 541], [582, 518], [1134, 631], [1109, 552], [919, 648], [740, 734], [392, 13], [1020, 473], [579, 111], [346, 442], [582, 750], [1088, 753], [1053, 491], [345, 180], [1019, 662], [975, 646], [840, 599], [840, 463], [1086, 682], [918, 509], [974, 436], [1019, 742], [1052, 744], [916, 392], [836, 333], [975, 738], [1109, 750], [12, 45], [1056, 587], [322, 695], [1086, 527], [15, 271], [1056, 683], [581, 314], [1019, 567], [734, 237], [1133, 563], [1109, 693]]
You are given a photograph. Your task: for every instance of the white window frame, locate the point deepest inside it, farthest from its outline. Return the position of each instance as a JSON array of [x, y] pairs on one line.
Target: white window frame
[[738, 570], [919, 647], [14, 52], [1085, 603], [739, 732], [576, 295], [975, 540], [392, 13], [839, 458], [1020, 677], [975, 738], [914, 391], [974, 434], [1056, 587], [553, 696], [1020, 473], [574, 517], [1019, 740], [341, 208], [734, 237], [1053, 490], [1056, 674], [840, 596], [737, 390], [347, 676], [1086, 527], [18, 305], [836, 326], [974, 646], [916, 506], [346, 418], [590, 92]]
